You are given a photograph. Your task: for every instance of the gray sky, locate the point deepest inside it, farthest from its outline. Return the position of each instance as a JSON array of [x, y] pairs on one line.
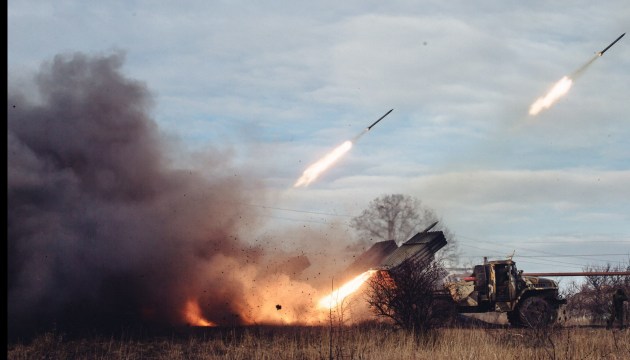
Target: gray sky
[[278, 85]]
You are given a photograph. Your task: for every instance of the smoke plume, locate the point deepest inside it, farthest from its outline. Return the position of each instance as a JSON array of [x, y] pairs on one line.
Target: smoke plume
[[103, 230]]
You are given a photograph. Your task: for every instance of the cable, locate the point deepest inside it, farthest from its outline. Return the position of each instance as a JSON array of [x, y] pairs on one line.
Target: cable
[[555, 241], [295, 210], [513, 248], [551, 256], [567, 255], [532, 256], [297, 220]]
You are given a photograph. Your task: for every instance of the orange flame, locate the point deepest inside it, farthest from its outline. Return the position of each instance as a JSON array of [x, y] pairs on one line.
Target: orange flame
[[337, 296], [556, 92], [193, 316], [312, 172]]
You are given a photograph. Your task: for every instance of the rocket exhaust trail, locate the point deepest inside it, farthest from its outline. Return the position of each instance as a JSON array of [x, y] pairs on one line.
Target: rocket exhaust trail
[[563, 86], [312, 172], [316, 169]]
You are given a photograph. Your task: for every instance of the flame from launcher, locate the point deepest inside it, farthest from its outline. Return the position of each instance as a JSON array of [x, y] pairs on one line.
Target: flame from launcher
[[337, 296], [312, 172], [193, 315]]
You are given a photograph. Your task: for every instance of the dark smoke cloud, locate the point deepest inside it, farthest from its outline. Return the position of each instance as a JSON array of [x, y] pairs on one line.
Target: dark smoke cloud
[[102, 229]]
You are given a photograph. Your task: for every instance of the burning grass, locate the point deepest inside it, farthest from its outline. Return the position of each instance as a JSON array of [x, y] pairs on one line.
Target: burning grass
[[374, 341]]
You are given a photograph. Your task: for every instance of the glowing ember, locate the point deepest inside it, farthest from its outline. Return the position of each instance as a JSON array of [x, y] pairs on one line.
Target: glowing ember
[[557, 91], [337, 296], [193, 314], [313, 171]]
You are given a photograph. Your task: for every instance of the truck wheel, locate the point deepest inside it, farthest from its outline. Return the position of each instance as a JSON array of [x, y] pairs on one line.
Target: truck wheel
[[536, 312], [554, 315], [514, 318]]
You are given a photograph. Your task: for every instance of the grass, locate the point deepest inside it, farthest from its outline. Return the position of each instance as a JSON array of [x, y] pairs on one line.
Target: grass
[[375, 341]]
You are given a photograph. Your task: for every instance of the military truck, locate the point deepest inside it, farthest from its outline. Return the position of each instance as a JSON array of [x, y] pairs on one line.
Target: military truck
[[498, 286], [494, 286]]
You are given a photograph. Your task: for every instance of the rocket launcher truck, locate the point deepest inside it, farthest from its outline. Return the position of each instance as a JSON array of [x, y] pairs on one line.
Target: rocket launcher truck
[[494, 286]]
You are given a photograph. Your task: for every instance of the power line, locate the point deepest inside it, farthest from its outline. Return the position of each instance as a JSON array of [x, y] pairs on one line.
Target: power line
[[555, 264], [556, 241], [548, 254], [514, 248], [552, 256], [571, 255], [578, 242], [531, 256], [296, 210], [298, 220], [457, 236]]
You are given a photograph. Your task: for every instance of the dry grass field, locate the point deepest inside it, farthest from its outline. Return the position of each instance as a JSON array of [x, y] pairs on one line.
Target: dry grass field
[[357, 342]]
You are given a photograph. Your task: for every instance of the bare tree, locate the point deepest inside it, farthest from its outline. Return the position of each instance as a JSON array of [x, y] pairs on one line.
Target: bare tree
[[593, 297], [409, 295], [398, 217]]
